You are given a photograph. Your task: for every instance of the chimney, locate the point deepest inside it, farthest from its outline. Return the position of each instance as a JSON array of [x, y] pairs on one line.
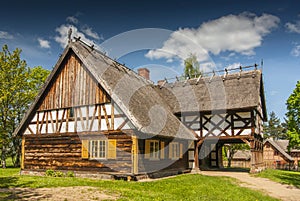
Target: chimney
[[160, 82], [144, 72]]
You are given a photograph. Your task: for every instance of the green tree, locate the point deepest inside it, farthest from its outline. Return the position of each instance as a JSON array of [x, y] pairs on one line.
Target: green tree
[[293, 117], [191, 67], [274, 128], [19, 85]]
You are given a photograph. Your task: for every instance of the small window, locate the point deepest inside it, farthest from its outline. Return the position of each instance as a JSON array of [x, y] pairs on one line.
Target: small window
[[276, 153], [152, 149], [174, 151], [97, 149]]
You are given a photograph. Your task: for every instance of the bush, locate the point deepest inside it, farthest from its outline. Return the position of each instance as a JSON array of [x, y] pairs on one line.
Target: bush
[[50, 173], [59, 174], [70, 174]]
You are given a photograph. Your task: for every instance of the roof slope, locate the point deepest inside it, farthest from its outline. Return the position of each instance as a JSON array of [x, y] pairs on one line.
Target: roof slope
[[279, 148], [133, 94], [242, 155], [238, 90]]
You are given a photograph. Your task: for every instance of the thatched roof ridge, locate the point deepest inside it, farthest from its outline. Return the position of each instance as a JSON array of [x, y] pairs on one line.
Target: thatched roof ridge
[[134, 94], [233, 91]]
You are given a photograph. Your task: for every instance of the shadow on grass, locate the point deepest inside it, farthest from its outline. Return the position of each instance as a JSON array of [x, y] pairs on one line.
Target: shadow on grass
[[12, 182], [289, 178]]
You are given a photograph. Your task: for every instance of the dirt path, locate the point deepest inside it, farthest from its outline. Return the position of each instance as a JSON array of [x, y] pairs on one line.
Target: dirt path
[[274, 189], [82, 193]]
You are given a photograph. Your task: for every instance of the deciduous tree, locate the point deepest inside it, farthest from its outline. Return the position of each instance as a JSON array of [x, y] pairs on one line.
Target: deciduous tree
[[19, 85], [293, 117]]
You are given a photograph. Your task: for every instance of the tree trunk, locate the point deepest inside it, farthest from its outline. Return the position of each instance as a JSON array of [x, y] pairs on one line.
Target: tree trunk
[[3, 157]]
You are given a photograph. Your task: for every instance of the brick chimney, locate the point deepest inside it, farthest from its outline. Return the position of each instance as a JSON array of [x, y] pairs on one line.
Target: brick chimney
[[144, 72]]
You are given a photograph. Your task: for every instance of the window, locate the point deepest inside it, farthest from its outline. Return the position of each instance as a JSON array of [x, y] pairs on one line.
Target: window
[[276, 153], [175, 150], [152, 149], [99, 149]]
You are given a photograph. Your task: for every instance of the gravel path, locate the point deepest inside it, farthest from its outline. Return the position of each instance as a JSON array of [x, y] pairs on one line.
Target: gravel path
[[274, 189]]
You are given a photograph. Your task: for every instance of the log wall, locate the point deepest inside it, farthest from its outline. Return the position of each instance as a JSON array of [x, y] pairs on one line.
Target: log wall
[[63, 152]]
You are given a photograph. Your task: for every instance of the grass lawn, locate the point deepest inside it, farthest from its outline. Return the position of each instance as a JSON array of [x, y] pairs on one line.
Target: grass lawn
[[182, 187], [282, 176]]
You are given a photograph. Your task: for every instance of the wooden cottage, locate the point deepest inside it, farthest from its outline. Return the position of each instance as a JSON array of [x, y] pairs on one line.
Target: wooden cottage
[[277, 156], [94, 115]]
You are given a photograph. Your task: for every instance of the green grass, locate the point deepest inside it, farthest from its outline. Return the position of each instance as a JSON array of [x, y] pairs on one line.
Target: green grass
[[282, 176], [182, 187]]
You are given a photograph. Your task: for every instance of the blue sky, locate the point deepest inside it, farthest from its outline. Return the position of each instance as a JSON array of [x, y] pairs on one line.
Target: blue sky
[[159, 35]]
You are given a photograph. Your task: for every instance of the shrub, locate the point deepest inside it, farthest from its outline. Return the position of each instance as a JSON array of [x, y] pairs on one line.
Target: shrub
[[59, 174], [70, 174], [50, 173]]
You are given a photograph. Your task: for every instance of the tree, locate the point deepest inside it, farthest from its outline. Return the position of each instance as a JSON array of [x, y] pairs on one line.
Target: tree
[[293, 117], [191, 67], [19, 85], [231, 149], [274, 128]]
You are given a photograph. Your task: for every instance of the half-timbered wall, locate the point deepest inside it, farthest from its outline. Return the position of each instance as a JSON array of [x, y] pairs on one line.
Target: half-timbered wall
[[231, 123], [100, 117]]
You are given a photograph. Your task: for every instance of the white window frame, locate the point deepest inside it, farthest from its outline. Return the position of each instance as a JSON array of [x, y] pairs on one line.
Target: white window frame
[[174, 150], [98, 149], [154, 151]]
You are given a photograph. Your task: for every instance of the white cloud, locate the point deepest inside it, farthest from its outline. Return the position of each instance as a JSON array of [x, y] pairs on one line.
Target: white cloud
[[5, 35], [62, 37], [293, 27], [234, 33], [43, 43], [72, 19], [296, 51], [234, 66], [89, 31]]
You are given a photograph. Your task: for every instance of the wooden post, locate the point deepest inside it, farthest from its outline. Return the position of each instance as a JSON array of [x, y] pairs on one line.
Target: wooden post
[[134, 155], [23, 153]]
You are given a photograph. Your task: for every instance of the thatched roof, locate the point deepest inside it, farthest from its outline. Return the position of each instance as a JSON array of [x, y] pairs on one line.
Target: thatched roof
[[279, 149], [284, 145], [233, 91], [132, 93], [242, 155]]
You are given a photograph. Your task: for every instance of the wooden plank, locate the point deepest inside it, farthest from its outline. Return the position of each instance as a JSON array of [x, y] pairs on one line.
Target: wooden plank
[[123, 124], [61, 121], [106, 117], [135, 154], [93, 118], [81, 118], [37, 122], [23, 153], [112, 116], [99, 117], [42, 123], [52, 122]]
